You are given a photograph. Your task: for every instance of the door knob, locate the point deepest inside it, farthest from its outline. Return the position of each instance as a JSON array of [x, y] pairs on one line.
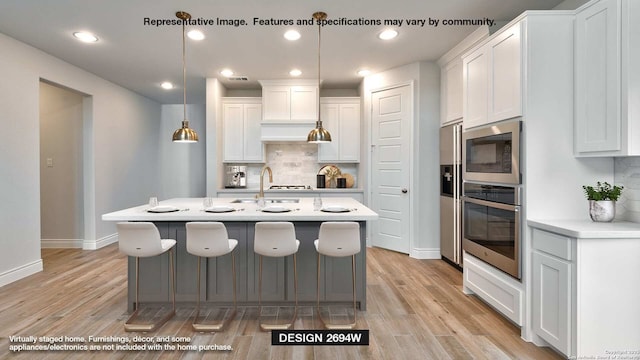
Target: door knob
[[404, 191]]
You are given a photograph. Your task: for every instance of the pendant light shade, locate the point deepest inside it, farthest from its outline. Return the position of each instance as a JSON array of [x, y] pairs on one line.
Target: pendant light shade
[[184, 134], [319, 134]]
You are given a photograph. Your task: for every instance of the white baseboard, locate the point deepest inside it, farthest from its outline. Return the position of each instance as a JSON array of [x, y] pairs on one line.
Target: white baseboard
[[100, 243], [61, 243], [425, 253], [79, 243], [20, 272]]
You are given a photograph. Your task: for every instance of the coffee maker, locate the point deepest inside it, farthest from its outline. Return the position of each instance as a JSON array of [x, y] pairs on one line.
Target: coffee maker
[[236, 177]]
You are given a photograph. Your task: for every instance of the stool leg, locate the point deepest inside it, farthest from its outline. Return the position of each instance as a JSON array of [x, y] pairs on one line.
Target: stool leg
[[222, 324], [318, 287], [129, 325], [295, 310], [353, 278]]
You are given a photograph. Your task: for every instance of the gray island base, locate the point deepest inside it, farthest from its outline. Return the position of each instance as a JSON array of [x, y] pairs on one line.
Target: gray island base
[[277, 286]]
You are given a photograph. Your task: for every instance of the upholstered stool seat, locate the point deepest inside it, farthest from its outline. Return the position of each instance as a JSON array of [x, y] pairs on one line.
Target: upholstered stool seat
[[276, 239], [210, 239], [142, 239], [338, 239]]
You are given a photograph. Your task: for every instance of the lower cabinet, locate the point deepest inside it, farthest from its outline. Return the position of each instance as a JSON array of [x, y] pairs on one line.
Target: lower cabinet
[[585, 293], [277, 273], [552, 300]]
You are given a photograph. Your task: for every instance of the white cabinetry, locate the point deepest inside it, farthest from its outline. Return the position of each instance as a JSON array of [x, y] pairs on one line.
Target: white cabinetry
[[582, 289], [341, 117], [451, 92], [607, 76], [293, 102], [289, 109], [241, 130], [552, 289], [492, 79], [451, 80]]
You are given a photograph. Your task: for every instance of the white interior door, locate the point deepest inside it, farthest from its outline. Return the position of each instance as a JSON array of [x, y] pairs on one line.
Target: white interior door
[[391, 167]]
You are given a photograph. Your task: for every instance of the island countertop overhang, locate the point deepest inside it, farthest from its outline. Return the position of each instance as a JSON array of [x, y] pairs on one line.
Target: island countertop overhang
[[191, 209]]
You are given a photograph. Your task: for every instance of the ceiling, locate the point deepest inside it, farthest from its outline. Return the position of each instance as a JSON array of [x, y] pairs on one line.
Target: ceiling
[[139, 57]]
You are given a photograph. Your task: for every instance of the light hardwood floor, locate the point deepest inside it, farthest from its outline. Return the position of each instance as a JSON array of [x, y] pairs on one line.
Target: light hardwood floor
[[415, 311]]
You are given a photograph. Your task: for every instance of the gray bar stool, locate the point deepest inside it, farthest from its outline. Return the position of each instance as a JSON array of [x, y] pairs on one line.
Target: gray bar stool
[[338, 239], [142, 239], [276, 239], [210, 239]]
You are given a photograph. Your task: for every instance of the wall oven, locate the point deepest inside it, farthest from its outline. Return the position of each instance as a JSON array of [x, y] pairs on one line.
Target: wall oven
[[492, 153], [491, 225]]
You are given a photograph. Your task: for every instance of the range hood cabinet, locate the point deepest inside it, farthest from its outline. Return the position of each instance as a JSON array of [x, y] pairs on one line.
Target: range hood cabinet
[[285, 131]]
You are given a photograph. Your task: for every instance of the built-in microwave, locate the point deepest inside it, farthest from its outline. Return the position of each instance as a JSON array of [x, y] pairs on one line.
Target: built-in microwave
[[492, 153]]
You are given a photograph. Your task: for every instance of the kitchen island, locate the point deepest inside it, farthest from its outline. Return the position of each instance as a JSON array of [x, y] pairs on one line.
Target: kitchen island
[[277, 288]]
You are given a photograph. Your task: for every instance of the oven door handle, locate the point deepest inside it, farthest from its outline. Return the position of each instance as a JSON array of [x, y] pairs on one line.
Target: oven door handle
[[491, 204]]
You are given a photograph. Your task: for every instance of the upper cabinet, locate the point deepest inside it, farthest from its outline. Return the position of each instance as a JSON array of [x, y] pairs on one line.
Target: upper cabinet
[[451, 92], [241, 119], [607, 118], [289, 109], [451, 80], [341, 117], [290, 102], [492, 79]]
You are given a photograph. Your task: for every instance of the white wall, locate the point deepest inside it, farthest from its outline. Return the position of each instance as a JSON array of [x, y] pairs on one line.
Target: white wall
[[61, 180], [425, 77], [182, 166], [121, 132]]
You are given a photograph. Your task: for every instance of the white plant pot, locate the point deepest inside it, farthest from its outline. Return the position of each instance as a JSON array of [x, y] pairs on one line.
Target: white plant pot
[[602, 211]]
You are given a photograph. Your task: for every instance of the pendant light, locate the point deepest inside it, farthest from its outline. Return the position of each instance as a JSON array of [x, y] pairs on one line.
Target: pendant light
[[184, 134], [319, 134]]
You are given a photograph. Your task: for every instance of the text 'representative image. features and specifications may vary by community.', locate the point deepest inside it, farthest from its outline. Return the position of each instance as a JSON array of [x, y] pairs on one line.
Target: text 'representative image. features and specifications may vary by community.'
[[339, 21]]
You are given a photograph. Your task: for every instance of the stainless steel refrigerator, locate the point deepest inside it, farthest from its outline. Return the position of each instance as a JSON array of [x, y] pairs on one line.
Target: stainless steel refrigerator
[[451, 193]]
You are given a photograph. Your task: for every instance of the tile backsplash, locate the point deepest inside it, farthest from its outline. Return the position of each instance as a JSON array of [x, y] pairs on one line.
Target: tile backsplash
[[292, 164], [627, 174]]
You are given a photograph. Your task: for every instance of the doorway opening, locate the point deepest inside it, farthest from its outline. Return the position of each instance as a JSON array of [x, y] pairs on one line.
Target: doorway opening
[[62, 204]]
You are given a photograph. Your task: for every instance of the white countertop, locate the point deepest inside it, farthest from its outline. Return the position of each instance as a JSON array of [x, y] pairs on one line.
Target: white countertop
[[297, 191], [587, 229], [191, 209]]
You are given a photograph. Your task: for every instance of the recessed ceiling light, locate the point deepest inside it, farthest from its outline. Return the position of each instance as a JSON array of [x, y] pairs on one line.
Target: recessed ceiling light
[[364, 72], [195, 35], [166, 85], [388, 34], [292, 35], [226, 72], [295, 72], [85, 36]]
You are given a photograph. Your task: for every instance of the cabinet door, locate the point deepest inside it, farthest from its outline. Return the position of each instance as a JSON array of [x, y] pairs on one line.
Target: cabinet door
[[233, 118], [330, 121], [253, 146], [304, 103], [598, 122], [277, 103], [505, 83], [474, 92], [552, 300], [452, 91], [349, 133]]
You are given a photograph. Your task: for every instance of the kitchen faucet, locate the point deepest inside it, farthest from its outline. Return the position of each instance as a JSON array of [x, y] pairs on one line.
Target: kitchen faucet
[[268, 169]]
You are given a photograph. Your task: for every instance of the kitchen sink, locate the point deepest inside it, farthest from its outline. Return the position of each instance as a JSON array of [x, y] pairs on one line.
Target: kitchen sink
[[270, 201]]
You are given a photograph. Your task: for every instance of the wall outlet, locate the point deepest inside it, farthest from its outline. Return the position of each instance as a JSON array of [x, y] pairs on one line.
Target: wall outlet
[[49, 162]]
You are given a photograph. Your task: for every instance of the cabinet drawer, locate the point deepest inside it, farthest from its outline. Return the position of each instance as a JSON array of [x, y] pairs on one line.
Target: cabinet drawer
[[553, 244]]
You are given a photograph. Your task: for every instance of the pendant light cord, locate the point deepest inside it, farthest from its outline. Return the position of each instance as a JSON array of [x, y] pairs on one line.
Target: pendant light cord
[[184, 72], [319, 107]]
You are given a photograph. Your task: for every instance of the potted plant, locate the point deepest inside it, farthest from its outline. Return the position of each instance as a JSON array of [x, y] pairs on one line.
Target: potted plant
[[602, 200]]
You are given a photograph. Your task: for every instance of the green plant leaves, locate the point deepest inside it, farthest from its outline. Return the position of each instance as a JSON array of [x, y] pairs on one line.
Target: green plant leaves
[[603, 191]]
